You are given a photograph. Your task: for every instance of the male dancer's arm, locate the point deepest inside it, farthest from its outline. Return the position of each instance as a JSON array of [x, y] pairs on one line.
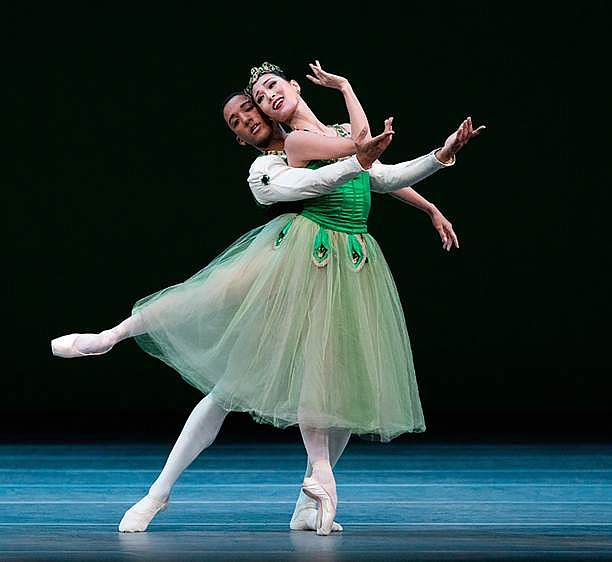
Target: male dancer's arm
[[385, 178], [271, 180]]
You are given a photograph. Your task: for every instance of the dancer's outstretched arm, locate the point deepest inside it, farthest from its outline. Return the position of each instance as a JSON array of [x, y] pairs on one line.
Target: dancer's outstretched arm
[[385, 178], [272, 181]]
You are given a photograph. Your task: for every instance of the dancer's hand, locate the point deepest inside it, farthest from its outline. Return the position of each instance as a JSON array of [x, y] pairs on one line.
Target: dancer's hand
[[322, 78], [445, 230], [457, 140], [369, 151]]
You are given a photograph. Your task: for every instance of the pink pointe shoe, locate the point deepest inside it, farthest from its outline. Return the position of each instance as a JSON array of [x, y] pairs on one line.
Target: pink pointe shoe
[[64, 347], [327, 507], [137, 518], [306, 520]]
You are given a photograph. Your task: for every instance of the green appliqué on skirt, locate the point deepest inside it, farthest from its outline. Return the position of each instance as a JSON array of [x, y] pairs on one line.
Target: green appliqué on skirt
[[321, 248], [282, 234], [357, 251]]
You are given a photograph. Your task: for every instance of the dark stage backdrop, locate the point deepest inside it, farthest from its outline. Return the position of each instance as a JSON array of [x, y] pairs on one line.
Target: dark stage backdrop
[[129, 181]]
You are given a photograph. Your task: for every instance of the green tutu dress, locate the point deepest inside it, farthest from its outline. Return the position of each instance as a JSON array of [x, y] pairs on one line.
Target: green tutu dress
[[297, 321]]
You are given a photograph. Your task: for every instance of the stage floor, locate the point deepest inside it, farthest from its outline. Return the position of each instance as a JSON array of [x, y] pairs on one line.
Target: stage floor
[[397, 501]]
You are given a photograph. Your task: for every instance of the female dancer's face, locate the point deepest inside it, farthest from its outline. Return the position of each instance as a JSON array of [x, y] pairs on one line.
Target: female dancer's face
[[276, 97]]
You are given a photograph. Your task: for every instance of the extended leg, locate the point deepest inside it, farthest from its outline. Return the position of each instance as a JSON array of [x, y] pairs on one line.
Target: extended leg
[[200, 430], [76, 345], [225, 285]]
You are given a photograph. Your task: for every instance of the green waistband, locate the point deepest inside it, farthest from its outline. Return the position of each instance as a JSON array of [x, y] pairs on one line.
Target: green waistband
[[335, 224]]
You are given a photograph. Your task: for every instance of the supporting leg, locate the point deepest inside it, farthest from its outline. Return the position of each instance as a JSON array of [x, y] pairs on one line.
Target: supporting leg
[[305, 511], [199, 432], [321, 485]]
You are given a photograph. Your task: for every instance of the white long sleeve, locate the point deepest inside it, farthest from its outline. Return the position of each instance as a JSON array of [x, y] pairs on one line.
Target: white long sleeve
[[389, 177], [272, 181]]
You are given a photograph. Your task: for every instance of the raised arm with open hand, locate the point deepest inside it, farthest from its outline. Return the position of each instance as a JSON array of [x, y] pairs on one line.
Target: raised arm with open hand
[[357, 116]]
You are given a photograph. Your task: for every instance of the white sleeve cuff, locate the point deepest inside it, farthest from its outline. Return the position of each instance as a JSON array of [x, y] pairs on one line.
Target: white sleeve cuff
[[451, 163]]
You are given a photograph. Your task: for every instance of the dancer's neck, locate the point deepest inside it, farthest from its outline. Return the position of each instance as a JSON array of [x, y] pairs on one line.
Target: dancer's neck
[[304, 118], [276, 142]]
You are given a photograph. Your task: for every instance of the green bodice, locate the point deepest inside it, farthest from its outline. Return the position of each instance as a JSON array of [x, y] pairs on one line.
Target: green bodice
[[345, 209]]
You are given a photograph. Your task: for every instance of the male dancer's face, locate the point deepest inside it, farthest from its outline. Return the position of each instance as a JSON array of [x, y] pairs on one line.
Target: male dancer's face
[[248, 123]]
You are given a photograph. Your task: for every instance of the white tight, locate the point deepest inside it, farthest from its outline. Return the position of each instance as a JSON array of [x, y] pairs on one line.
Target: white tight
[[324, 447], [201, 429], [316, 442], [337, 440], [228, 283], [96, 343]]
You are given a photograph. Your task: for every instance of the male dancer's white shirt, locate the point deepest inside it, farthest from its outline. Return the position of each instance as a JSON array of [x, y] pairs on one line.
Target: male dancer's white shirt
[[272, 181]]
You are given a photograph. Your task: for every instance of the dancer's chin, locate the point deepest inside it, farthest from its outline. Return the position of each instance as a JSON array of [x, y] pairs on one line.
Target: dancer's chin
[[264, 144], [285, 113]]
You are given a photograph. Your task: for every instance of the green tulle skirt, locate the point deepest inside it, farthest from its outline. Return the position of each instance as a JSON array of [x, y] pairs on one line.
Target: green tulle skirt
[[293, 324]]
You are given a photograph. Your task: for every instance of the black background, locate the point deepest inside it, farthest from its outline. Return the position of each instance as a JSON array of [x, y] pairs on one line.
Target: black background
[[128, 181]]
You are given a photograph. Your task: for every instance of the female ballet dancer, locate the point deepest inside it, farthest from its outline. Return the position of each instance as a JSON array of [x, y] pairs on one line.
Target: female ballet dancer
[[357, 372]]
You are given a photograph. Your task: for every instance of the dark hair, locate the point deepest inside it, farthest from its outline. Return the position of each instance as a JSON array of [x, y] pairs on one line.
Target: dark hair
[[231, 96]]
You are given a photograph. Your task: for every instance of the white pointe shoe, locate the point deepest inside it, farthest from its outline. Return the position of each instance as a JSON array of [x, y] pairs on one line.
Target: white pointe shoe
[[137, 518], [327, 509], [306, 520], [64, 347]]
